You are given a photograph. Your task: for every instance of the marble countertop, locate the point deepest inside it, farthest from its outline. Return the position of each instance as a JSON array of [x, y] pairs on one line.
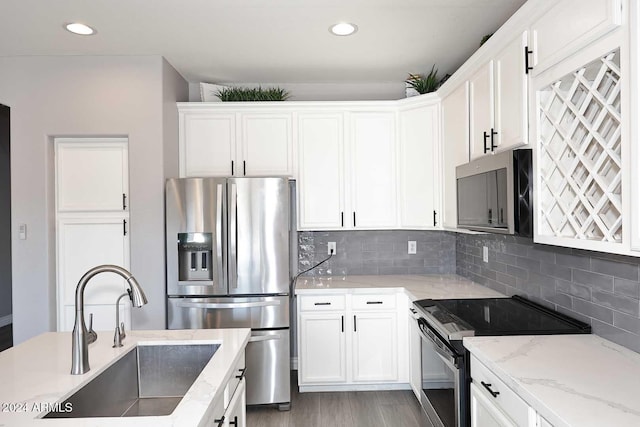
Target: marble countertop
[[570, 380], [433, 286], [36, 373]]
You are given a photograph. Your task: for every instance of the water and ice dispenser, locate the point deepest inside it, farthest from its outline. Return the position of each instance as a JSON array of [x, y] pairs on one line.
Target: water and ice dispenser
[[195, 256]]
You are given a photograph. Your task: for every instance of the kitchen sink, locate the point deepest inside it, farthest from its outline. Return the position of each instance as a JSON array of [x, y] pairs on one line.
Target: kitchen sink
[[148, 380]]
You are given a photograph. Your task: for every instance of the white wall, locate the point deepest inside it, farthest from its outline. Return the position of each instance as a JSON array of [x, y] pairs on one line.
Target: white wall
[[326, 91], [86, 96]]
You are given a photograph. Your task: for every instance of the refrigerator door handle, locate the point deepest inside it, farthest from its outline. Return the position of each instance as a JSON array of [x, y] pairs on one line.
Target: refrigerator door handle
[[219, 232], [228, 305], [259, 338], [233, 237]]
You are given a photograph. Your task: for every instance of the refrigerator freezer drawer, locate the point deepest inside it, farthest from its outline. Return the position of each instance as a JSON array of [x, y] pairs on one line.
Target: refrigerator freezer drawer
[[230, 312], [268, 373]]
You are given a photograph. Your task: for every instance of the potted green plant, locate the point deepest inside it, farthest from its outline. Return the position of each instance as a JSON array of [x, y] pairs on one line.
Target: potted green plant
[[245, 94], [418, 84]]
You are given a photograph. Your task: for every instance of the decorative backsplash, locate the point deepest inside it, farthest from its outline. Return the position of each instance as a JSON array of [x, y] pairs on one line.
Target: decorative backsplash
[[598, 288], [377, 252]]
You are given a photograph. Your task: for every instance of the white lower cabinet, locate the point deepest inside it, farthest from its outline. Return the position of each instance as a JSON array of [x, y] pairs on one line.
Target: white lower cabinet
[[322, 348], [350, 341], [415, 356], [375, 348], [229, 410], [494, 404]]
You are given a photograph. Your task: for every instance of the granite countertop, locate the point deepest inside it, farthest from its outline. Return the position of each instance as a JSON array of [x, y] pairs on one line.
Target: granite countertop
[[36, 373], [570, 380], [433, 286]]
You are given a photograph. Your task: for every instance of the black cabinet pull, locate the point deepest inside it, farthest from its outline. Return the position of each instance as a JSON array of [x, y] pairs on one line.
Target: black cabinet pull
[[231, 167], [234, 422], [485, 136], [434, 219], [354, 219], [488, 387], [242, 372], [220, 421], [490, 220], [342, 329], [124, 227], [341, 219], [124, 201], [321, 303], [493, 145], [355, 328], [244, 168], [413, 310], [527, 67], [374, 302]]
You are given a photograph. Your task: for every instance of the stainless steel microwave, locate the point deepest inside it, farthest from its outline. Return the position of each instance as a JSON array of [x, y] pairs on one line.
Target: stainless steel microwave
[[494, 193]]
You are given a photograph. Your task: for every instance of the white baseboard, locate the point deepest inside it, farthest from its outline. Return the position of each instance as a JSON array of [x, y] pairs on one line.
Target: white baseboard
[[294, 363], [7, 320]]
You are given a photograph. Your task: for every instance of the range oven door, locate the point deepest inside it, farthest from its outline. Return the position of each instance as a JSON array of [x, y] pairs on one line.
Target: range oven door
[[442, 377]]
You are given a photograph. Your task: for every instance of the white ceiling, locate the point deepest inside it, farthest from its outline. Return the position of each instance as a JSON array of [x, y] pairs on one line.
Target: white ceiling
[[275, 41]]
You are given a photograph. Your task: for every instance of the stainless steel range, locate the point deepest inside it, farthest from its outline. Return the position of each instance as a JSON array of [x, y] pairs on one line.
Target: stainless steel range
[[445, 363]]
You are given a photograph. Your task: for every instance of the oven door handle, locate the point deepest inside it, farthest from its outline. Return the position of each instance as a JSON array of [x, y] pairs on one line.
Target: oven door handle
[[438, 345]]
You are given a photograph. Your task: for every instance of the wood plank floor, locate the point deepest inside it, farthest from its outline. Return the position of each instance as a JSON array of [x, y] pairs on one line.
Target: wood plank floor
[[6, 337], [335, 409]]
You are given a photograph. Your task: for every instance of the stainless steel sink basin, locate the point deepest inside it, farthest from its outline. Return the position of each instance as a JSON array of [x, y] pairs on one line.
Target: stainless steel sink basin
[[148, 380]]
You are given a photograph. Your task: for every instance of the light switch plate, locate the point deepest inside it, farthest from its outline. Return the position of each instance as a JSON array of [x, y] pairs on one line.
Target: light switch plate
[[22, 231], [485, 254], [411, 247]]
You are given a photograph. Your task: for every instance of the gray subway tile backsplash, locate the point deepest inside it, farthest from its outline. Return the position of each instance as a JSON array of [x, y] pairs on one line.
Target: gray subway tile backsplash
[[601, 289]]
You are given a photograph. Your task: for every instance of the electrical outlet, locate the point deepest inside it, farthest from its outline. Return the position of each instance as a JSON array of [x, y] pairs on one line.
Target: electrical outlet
[[485, 254], [411, 247], [331, 246]]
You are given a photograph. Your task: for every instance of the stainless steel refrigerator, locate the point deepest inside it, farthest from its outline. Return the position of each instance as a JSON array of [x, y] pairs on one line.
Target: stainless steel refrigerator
[[227, 242]]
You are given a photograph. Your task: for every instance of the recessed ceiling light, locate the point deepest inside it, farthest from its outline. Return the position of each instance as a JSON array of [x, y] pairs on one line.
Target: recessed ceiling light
[[81, 29], [343, 29]]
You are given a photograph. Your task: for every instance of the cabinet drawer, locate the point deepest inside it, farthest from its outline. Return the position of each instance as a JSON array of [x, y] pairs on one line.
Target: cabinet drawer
[[373, 302], [236, 376], [322, 302], [507, 400]]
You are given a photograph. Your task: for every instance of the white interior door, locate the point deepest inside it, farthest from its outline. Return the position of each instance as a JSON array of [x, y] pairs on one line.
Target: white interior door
[[92, 227]]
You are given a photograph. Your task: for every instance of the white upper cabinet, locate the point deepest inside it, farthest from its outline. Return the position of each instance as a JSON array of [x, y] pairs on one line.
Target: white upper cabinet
[[321, 171], [267, 147], [347, 171], [207, 144], [419, 171], [455, 147], [570, 26], [372, 170], [498, 101], [481, 104], [217, 142], [92, 175]]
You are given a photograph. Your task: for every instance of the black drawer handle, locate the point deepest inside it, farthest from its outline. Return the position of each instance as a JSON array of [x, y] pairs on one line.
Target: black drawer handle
[[234, 422], [321, 303], [375, 302], [220, 421], [413, 310], [488, 387], [242, 372]]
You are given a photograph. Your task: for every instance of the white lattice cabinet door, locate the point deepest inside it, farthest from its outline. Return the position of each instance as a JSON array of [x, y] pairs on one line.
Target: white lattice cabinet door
[[579, 160]]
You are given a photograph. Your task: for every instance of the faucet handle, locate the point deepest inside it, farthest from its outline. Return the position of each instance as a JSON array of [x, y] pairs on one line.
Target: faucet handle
[[92, 336], [122, 334]]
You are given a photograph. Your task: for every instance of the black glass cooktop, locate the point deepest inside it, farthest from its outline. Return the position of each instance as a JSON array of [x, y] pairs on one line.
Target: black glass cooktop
[[500, 316]]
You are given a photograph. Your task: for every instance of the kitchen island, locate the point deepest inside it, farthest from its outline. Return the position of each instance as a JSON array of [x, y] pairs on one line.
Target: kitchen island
[[36, 374]]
